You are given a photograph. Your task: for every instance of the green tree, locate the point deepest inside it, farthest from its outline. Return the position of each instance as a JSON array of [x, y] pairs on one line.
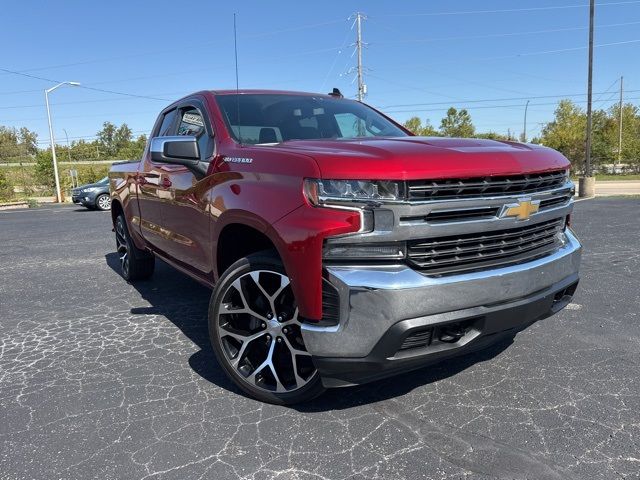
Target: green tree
[[112, 139], [414, 125], [630, 154], [133, 150], [106, 138], [6, 189], [28, 140], [491, 136], [17, 145], [566, 133], [457, 123], [81, 150], [44, 169]]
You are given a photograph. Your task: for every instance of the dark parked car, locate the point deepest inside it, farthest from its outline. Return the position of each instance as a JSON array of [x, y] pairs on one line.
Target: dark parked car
[[93, 195]]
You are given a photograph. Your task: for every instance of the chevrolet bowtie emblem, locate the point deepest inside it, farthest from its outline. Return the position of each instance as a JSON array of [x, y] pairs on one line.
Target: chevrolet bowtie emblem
[[522, 210]]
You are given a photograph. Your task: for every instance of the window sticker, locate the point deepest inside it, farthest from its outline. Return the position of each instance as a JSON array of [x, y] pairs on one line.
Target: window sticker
[[193, 119]]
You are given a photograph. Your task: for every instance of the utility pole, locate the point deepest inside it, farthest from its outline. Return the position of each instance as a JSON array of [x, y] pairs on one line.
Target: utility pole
[[619, 128], [587, 182], [362, 88], [524, 133]]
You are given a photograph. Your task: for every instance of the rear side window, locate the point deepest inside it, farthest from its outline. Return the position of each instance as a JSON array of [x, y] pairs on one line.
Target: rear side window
[[166, 129]]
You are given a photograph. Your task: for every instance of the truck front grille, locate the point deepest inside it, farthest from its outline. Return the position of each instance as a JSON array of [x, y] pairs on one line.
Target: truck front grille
[[477, 251], [424, 190]]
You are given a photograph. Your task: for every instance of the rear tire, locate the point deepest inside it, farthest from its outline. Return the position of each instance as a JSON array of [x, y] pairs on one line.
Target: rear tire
[[260, 345], [135, 264]]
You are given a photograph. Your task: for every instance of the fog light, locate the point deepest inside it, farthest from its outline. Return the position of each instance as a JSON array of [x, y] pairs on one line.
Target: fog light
[[364, 252]]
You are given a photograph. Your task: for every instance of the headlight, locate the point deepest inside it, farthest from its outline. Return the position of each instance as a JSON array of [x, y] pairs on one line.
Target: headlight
[[321, 192]]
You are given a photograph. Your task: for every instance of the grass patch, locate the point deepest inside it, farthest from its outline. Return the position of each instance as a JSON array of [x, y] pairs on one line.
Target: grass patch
[[24, 184], [606, 177]]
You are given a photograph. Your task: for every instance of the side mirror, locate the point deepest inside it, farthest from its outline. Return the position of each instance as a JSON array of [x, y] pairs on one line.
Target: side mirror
[[179, 150]]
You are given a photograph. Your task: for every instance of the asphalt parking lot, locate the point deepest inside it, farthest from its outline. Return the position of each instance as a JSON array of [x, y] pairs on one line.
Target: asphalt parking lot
[[102, 379]]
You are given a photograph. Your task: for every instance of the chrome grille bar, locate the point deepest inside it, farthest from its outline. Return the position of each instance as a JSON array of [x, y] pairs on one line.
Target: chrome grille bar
[[420, 190], [471, 252]]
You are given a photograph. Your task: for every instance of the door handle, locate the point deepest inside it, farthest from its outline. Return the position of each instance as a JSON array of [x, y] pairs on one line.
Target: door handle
[[166, 183]]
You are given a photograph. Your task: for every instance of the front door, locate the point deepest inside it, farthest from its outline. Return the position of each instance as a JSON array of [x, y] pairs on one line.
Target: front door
[[152, 191], [184, 212]]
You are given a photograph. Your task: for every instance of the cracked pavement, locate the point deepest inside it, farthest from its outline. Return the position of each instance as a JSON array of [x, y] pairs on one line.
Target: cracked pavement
[[102, 379]]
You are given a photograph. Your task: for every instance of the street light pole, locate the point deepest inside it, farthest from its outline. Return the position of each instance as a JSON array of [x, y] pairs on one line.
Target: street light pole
[[68, 146], [53, 144], [524, 133]]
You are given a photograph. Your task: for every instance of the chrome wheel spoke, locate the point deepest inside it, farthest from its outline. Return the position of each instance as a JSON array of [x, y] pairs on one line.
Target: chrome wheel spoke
[[122, 247], [235, 361], [238, 286], [294, 350], [266, 363], [299, 380], [227, 309]]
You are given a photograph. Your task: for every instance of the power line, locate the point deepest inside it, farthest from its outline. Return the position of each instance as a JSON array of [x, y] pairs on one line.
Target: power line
[[81, 86], [518, 55], [500, 35], [181, 49], [76, 102], [508, 10], [86, 137], [518, 105], [537, 97], [335, 59]]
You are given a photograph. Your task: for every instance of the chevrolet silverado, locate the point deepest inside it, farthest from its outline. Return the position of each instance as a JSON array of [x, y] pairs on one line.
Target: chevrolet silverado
[[340, 248]]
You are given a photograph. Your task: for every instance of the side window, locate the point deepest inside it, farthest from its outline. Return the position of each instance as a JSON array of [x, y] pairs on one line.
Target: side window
[[192, 123], [167, 124]]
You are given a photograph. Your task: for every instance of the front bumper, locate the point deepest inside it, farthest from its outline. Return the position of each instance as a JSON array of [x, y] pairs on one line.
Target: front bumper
[[380, 307], [87, 199]]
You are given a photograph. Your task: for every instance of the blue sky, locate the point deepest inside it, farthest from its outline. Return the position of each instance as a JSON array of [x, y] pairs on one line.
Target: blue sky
[[422, 56]]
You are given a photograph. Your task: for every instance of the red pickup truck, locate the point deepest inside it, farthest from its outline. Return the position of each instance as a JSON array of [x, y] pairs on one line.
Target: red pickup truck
[[341, 248]]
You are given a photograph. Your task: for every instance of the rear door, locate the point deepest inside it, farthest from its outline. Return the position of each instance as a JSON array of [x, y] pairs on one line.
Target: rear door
[[151, 191], [184, 210]]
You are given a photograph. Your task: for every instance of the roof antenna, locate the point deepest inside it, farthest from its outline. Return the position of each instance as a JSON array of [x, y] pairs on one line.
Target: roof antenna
[[235, 45]]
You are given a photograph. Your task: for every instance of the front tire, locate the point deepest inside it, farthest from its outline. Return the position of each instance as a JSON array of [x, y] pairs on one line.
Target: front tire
[[136, 264], [103, 202], [255, 332]]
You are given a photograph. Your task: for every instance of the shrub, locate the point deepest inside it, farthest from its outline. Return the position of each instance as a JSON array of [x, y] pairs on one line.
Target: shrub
[[6, 189]]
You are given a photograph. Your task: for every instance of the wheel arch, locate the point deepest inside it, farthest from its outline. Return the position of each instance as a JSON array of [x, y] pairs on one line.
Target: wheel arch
[[116, 209], [237, 240]]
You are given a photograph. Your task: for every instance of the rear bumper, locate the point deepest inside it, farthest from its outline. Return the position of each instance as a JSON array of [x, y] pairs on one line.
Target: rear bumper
[[383, 306]]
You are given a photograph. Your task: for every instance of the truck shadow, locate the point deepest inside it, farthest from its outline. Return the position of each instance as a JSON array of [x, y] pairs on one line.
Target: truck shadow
[[184, 302]]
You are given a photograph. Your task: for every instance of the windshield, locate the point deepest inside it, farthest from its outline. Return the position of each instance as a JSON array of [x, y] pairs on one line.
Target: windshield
[[103, 180], [275, 118]]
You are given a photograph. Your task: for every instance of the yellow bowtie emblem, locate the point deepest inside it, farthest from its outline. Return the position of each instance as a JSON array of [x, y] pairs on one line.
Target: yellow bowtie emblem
[[522, 210]]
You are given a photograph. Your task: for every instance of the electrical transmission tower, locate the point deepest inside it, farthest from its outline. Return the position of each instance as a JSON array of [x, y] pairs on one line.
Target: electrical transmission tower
[[362, 87]]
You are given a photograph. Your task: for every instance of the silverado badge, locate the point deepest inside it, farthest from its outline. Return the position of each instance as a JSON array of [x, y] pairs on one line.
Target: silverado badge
[[522, 210]]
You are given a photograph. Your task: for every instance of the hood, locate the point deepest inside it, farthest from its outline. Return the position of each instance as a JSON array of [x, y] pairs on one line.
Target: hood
[[413, 158], [89, 185]]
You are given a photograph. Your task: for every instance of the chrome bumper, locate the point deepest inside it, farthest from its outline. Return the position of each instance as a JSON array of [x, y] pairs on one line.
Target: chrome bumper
[[373, 299]]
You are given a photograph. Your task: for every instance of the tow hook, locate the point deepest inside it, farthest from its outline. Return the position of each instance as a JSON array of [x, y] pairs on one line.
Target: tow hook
[[451, 333]]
